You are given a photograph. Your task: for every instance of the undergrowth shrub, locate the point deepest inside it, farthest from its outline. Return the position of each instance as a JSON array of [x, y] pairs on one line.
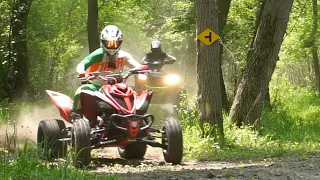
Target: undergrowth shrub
[[295, 115]]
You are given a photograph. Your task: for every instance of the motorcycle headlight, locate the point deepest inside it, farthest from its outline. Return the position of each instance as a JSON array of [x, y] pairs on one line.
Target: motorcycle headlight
[[142, 77], [172, 79]]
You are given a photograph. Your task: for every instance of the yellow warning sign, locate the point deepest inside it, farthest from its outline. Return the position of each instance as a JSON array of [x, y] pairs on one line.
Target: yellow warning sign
[[208, 37]]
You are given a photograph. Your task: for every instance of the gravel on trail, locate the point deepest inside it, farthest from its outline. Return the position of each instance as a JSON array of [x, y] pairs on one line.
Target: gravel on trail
[[107, 161]]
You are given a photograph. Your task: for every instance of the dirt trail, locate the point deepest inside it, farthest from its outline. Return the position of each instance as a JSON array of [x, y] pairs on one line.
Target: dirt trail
[[153, 167]]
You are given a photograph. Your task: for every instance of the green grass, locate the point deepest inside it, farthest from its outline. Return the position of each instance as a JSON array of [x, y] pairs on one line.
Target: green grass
[[25, 163], [291, 127], [296, 118]]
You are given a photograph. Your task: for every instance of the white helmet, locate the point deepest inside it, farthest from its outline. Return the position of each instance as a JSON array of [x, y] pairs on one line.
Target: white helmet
[[111, 39]]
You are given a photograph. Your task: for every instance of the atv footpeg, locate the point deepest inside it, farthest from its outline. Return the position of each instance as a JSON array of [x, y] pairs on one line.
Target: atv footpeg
[[65, 140]]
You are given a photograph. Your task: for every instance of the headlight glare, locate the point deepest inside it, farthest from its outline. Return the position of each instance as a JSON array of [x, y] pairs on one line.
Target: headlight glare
[[172, 79]]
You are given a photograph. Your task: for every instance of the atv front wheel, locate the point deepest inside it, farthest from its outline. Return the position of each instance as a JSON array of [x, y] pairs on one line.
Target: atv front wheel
[[49, 133], [172, 139], [133, 151], [81, 142]]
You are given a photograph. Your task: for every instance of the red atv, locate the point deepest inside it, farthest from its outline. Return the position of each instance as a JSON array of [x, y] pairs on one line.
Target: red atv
[[114, 116]]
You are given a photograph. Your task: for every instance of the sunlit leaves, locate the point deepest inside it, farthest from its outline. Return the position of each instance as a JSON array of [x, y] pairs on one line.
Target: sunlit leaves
[[56, 30], [295, 57], [185, 21]]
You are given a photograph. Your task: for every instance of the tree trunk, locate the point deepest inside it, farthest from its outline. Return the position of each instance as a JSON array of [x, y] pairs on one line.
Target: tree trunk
[[208, 70], [261, 60], [267, 99], [19, 47], [314, 47], [223, 10], [92, 25]]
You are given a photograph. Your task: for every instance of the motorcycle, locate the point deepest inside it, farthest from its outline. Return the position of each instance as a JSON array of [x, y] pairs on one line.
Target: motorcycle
[[166, 86], [114, 116]]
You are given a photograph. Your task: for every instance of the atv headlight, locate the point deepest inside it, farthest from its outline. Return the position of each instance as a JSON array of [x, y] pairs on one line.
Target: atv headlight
[[172, 79], [142, 77]]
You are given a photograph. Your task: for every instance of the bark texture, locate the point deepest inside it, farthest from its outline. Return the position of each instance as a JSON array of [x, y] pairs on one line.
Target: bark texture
[[223, 10], [208, 69], [92, 25], [262, 57], [314, 46]]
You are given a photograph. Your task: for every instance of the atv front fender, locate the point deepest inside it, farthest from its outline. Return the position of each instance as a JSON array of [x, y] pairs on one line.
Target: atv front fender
[[63, 103]]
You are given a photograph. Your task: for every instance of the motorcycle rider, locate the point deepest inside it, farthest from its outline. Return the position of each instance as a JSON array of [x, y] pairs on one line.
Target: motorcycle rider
[[108, 57], [156, 53]]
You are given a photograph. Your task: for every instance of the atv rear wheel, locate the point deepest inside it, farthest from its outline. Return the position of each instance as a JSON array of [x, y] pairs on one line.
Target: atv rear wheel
[[133, 151], [172, 138], [81, 142], [49, 133]]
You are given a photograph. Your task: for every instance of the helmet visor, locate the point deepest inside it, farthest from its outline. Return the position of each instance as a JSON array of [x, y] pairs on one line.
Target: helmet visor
[[111, 44]]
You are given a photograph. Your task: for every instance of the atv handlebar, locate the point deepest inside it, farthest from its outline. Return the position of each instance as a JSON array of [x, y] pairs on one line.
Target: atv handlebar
[[158, 62], [110, 77]]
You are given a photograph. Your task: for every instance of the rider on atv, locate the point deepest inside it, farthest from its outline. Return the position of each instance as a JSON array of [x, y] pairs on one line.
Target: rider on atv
[[157, 54], [166, 86], [107, 58]]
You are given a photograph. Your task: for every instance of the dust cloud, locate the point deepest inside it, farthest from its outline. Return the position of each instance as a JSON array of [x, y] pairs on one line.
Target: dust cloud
[[26, 126]]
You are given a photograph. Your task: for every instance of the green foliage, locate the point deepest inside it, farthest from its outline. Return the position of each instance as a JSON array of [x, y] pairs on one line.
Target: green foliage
[[5, 18], [56, 30], [187, 111], [295, 116], [295, 56], [186, 20]]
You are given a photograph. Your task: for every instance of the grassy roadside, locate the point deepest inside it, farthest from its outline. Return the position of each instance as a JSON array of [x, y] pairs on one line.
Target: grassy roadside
[[291, 127]]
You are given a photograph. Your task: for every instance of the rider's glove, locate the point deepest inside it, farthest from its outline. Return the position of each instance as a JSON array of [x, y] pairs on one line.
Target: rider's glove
[[143, 67], [83, 76]]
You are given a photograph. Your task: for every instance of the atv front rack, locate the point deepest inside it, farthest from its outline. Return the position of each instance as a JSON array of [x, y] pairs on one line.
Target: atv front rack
[[148, 118]]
